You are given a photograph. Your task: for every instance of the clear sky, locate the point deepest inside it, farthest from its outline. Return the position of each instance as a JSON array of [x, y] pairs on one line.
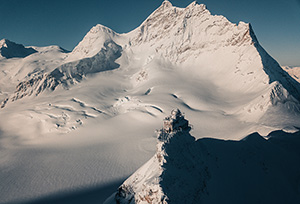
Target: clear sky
[[65, 22]]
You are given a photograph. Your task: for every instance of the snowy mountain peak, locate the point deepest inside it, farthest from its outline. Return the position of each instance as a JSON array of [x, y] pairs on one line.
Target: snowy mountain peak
[[9, 49], [92, 42]]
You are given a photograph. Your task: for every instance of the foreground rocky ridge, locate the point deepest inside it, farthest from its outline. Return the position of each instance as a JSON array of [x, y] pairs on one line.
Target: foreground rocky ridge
[[185, 170]]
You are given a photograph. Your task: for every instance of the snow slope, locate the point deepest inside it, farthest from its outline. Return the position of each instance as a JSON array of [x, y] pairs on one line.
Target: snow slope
[[85, 118]]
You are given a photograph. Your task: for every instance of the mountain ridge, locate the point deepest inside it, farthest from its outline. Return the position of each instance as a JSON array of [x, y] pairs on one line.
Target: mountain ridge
[[187, 37]]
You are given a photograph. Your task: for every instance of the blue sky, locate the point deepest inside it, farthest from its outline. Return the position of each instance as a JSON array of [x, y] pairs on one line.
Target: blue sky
[[65, 22]]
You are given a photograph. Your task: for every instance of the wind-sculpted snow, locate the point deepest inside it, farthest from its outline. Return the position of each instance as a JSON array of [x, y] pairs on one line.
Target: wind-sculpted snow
[[185, 170], [10, 49], [70, 73]]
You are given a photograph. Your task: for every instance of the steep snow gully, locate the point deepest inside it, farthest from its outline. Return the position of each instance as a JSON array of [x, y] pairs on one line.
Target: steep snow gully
[[84, 119]]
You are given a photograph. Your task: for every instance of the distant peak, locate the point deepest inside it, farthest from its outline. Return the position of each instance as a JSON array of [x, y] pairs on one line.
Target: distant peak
[[4, 40], [9, 49], [5, 43]]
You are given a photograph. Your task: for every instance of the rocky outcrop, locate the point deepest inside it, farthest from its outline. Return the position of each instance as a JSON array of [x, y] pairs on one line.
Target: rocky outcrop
[[152, 182]]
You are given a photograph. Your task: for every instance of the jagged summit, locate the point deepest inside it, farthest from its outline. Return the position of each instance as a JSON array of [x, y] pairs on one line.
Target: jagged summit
[[9, 49], [176, 33], [166, 4]]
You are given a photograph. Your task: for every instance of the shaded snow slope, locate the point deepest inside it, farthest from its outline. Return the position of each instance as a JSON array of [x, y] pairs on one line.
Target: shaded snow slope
[[185, 170]]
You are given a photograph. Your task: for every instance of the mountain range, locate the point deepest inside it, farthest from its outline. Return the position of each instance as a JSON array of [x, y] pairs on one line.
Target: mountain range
[[79, 119]]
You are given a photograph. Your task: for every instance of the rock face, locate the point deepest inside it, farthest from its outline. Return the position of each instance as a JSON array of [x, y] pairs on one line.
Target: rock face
[[214, 171], [181, 33], [148, 183], [10, 49], [175, 122]]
